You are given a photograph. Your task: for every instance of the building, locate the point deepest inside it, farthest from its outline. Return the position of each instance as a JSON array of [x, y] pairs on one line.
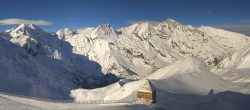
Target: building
[[147, 91]]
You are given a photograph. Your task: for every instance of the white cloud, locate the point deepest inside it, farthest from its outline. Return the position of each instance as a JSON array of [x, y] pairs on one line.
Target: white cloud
[[244, 29], [246, 21], [13, 21]]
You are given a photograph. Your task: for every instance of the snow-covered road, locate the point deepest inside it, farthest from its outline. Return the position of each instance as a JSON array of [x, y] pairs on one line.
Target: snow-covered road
[[8, 102]]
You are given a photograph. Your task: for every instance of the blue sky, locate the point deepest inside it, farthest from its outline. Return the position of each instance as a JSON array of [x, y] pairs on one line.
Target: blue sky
[[119, 13]]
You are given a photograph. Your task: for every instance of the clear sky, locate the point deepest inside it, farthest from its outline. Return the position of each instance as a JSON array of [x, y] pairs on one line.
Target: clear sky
[[90, 13]]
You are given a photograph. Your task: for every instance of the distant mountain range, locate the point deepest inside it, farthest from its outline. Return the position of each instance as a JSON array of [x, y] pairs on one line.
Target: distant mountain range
[[36, 63]]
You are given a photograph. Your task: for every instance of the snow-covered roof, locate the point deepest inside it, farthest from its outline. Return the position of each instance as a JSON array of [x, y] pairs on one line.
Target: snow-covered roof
[[147, 87]]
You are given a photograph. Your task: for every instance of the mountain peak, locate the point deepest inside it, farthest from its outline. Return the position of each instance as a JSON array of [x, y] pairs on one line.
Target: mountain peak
[[105, 25], [172, 23], [65, 32], [21, 25], [36, 28], [104, 30], [21, 28], [33, 26], [170, 20]]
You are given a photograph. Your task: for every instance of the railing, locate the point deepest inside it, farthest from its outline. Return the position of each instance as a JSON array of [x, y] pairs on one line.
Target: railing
[[80, 101], [103, 101], [71, 101]]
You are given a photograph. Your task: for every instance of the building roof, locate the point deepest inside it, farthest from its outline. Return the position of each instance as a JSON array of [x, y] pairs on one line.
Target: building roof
[[147, 86]]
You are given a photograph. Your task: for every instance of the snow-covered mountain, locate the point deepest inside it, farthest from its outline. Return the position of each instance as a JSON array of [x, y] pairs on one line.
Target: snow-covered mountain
[[180, 59], [39, 64], [141, 49]]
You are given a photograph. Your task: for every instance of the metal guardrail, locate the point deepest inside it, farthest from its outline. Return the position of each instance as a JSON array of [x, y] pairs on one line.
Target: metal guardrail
[[71, 101], [103, 101], [80, 101]]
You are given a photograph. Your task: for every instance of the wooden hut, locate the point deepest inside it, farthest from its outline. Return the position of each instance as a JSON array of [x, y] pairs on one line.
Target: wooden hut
[[147, 91]]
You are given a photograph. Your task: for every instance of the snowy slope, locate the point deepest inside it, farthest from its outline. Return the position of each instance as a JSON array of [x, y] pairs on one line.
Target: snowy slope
[[236, 67], [22, 76], [186, 83], [190, 76], [226, 38]]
